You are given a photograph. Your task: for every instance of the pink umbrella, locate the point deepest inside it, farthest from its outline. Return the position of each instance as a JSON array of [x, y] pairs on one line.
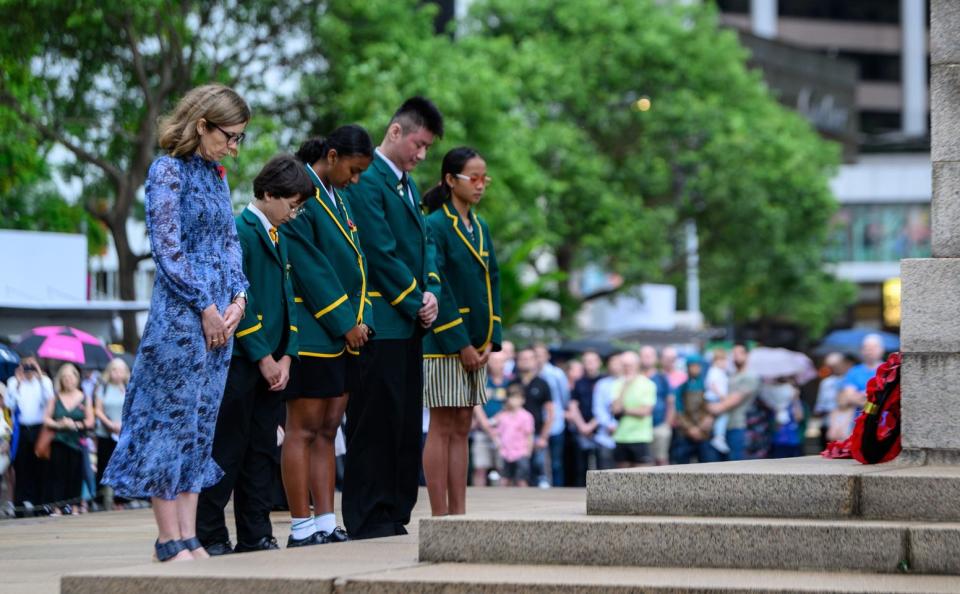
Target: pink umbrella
[[63, 343]]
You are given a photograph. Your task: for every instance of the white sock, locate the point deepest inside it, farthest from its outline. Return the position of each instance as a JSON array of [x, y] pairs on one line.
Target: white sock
[[302, 527], [325, 522]]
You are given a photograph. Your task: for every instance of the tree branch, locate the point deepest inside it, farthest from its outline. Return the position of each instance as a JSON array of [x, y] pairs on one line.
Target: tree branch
[[111, 170], [138, 66]]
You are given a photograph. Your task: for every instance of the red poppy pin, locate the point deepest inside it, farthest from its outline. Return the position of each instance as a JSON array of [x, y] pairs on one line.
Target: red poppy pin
[[352, 225], [222, 171]]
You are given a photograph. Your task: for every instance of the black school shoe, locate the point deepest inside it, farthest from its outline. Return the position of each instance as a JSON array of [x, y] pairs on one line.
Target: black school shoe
[[217, 549], [337, 535], [266, 543], [317, 538]]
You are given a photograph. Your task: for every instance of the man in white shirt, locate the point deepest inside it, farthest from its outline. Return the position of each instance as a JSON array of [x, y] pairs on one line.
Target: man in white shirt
[[27, 395]]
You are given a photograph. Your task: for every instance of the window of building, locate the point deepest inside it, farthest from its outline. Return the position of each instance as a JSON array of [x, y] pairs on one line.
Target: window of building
[[882, 67], [734, 5], [879, 122], [880, 233], [871, 11]]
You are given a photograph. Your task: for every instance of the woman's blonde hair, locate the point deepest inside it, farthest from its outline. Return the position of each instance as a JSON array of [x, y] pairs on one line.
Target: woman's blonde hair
[[116, 363], [214, 103], [64, 369]]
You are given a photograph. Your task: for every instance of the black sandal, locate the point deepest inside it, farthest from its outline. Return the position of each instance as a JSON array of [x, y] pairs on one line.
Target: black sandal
[[192, 544], [168, 550]]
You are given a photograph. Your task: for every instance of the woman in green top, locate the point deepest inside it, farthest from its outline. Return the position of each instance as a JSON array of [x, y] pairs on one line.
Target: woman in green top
[[636, 395], [69, 415], [467, 328]]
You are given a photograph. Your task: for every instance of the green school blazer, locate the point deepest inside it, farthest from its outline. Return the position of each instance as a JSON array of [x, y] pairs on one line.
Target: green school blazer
[[394, 238], [329, 275], [470, 301], [270, 294]]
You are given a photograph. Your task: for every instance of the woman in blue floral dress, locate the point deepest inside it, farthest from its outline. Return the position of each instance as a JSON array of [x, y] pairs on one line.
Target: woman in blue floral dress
[[170, 410]]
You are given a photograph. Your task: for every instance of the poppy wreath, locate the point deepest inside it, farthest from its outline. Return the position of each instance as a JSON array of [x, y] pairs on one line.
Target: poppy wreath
[[876, 433]]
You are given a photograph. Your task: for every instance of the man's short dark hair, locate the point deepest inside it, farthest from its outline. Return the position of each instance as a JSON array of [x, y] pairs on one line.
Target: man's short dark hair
[[419, 112], [284, 176]]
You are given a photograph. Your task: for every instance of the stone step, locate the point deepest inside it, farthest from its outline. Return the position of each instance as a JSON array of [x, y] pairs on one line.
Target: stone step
[[809, 487], [570, 537], [457, 578]]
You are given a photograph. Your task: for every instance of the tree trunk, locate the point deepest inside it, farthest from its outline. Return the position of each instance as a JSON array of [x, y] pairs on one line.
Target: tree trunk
[[127, 263], [569, 305]]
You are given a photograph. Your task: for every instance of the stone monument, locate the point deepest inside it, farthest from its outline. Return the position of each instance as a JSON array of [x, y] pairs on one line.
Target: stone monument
[[930, 332]]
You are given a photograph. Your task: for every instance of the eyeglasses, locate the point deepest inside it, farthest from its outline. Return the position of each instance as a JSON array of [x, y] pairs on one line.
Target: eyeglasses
[[296, 212], [232, 137], [475, 179]]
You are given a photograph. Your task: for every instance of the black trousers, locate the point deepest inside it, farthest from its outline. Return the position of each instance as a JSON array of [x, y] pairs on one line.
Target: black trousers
[[384, 422], [244, 445], [28, 469]]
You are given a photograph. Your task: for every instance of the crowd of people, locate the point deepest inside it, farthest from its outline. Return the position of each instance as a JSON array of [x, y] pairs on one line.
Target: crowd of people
[[343, 311], [66, 429], [642, 408]]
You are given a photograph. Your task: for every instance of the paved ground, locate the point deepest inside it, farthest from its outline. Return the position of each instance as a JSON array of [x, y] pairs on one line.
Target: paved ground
[[35, 553]]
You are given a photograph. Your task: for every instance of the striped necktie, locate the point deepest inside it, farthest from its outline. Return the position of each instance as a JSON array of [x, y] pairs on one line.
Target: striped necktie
[[274, 237]]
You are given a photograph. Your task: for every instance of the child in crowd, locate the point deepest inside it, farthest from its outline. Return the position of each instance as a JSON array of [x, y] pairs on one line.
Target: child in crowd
[[840, 419], [718, 385], [782, 396], [514, 430]]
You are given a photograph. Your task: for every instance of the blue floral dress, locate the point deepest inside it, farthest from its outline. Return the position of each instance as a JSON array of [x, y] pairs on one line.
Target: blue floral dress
[[174, 394]]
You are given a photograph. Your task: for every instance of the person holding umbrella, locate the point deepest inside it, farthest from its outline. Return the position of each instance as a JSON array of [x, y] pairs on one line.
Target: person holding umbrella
[[28, 393]]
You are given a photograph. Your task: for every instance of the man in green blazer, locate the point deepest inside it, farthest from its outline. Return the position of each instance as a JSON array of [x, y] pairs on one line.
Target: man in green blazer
[[384, 418], [245, 438]]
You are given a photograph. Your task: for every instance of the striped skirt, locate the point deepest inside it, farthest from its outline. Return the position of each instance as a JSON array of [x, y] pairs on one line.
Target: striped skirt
[[447, 383]]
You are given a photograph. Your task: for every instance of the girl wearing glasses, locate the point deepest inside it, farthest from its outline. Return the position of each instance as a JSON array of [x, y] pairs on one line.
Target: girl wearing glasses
[[330, 284], [467, 330], [170, 409]]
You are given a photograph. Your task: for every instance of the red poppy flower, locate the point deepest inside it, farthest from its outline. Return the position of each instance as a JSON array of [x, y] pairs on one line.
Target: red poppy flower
[[222, 171], [351, 224]]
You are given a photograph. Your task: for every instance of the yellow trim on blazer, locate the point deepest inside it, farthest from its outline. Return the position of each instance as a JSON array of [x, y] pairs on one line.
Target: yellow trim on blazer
[[352, 352], [260, 317], [298, 299], [486, 269], [452, 324], [434, 275], [349, 237], [374, 294], [401, 296], [330, 307], [464, 310], [497, 319], [321, 355], [249, 330], [441, 356], [294, 329]]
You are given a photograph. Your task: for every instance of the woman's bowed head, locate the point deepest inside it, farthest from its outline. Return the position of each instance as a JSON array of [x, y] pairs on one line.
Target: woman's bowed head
[[209, 121]]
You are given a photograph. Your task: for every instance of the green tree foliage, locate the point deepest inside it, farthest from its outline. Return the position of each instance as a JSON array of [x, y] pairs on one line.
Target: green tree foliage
[[94, 77], [715, 147], [542, 88]]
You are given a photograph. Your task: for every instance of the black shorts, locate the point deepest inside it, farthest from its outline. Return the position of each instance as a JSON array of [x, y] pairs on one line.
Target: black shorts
[[323, 377], [518, 470], [632, 453]]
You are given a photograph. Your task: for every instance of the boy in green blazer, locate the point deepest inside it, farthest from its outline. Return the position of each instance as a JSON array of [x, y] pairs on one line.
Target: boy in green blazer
[[384, 417], [266, 339]]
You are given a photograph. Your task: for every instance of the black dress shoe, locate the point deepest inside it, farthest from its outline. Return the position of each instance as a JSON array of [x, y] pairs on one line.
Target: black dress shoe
[[337, 535], [317, 538], [266, 543], [219, 548]]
